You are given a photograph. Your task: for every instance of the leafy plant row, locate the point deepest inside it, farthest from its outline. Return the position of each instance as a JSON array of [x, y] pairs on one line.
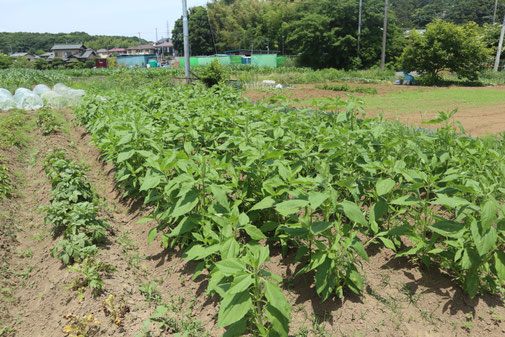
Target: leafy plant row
[[5, 181], [230, 182], [73, 210], [347, 88]]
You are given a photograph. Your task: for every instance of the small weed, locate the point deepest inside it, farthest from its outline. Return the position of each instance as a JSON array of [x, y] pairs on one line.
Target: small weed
[[150, 292], [89, 270], [47, 122], [80, 326], [28, 253], [115, 311]]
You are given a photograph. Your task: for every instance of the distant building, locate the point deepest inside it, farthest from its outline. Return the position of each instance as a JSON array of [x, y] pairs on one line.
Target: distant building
[[102, 52], [72, 52], [67, 50], [47, 56], [165, 48], [30, 57], [147, 49], [117, 51]]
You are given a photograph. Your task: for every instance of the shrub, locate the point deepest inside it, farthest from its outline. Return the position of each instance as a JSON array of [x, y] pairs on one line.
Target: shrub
[[212, 74], [446, 46]]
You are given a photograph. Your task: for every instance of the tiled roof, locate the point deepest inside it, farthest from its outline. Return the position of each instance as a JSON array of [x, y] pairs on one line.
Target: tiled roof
[[145, 46], [67, 46]]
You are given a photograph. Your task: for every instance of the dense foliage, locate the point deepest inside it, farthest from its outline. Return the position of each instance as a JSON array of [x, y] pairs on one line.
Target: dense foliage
[[232, 182], [449, 47], [322, 33], [39, 43]]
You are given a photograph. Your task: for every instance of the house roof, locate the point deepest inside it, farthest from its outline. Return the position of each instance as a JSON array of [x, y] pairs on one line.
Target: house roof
[[67, 46], [165, 45], [102, 50], [18, 54], [87, 54], [145, 46], [117, 49]]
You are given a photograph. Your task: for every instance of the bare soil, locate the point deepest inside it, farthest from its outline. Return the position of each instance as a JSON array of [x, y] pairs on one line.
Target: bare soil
[[400, 298], [477, 121]]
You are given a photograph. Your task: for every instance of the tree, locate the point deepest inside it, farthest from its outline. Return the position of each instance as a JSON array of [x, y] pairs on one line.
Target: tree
[[5, 61], [200, 34], [41, 64], [446, 46], [22, 62]]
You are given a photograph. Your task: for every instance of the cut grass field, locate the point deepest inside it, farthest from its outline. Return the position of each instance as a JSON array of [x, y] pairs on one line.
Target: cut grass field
[[481, 110]]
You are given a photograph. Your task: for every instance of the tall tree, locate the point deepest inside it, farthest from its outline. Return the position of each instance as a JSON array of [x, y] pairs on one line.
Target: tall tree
[[200, 35]]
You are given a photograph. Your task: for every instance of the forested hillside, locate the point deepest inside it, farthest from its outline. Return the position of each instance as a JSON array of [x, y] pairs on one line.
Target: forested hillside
[[37, 43], [322, 32]]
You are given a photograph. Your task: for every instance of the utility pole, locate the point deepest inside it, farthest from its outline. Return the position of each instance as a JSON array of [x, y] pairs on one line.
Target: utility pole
[[500, 46], [359, 23], [495, 10], [156, 35], [139, 35], [282, 44], [185, 30], [384, 35], [168, 31]]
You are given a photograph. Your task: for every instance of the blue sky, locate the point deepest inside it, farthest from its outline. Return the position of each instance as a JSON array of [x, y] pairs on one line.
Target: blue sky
[[96, 17]]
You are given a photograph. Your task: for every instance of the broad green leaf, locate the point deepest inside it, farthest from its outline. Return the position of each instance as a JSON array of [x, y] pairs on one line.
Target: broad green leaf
[[406, 200], [384, 186], [151, 180], [452, 202], [220, 195], [186, 225], [353, 212], [236, 329], [471, 259], [276, 298], [243, 219], [316, 199], [489, 213], [356, 284], [485, 242], [358, 247], [265, 203], [320, 226], [241, 283], [185, 204], [291, 206], [230, 266], [152, 235], [198, 252], [125, 156], [499, 264], [448, 228], [472, 283], [230, 248], [254, 232], [280, 323], [233, 308]]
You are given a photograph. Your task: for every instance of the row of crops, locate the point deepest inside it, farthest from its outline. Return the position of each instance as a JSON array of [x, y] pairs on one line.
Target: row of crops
[[231, 183]]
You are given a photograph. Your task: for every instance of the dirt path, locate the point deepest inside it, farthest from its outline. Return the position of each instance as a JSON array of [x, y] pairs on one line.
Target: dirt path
[[39, 289], [400, 298]]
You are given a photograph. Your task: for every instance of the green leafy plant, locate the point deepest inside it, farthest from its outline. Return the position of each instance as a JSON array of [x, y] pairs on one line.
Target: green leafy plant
[[47, 122]]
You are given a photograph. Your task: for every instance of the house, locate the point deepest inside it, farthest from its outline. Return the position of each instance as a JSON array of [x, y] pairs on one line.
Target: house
[[30, 57], [165, 48], [102, 52], [147, 49], [117, 51], [66, 50], [47, 56], [89, 54], [73, 52]]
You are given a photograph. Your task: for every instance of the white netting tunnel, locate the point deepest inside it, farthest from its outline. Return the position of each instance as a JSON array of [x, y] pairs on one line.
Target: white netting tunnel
[[59, 97], [7, 101]]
